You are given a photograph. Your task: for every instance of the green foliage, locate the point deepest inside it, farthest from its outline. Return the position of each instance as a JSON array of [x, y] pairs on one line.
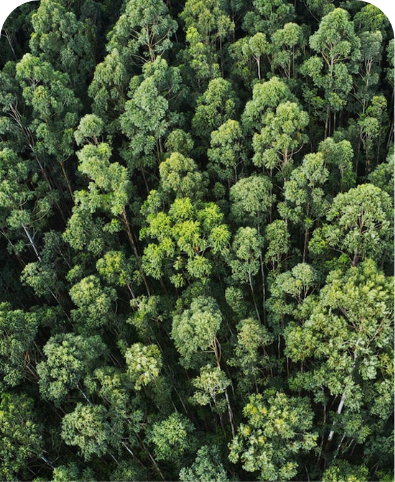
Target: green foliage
[[87, 428], [171, 437], [210, 383], [271, 420], [93, 302], [186, 237], [251, 337], [342, 470], [207, 466], [71, 471], [214, 107], [180, 176], [20, 434], [143, 364], [68, 358], [246, 247], [18, 330], [281, 136], [347, 336], [62, 40], [196, 328], [361, 224], [251, 200], [196, 216], [143, 31], [227, 151]]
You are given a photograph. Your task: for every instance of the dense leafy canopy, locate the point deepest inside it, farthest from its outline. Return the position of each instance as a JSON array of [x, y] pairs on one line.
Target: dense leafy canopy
[[196, 232]]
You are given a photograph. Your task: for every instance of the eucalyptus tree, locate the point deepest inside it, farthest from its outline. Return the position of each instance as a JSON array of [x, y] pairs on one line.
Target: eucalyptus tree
[[68, 359], [108, 192], [227, 152], [141, 34], [282, 135], [181, 178], [149, 116], [268, 16], [17, 345], [87, 428], [359, 227], [64, 41], [251, 200], [338, 47], [195, 330], [214, 107], [207, 28], [54, 115], [188, 239], [305, 201], [259, 444], [287, 46], [206, 466], [21, 435], [345, 336], [171, 438], [252, 338], [244, 258]]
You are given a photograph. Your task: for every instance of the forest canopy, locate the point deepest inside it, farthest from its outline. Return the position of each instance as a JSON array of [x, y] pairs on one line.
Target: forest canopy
[[196, 233]]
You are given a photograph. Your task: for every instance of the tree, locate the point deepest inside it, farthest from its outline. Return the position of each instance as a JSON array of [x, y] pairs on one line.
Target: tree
[[227, 154], [207, 28], [288, 292], [108, 90], [18, 329], [23, 212], [372, 125], [251, 200], [87, 428], [305, 200], [344, 337], [69, 358], [345, 471], [338, 46], [277, 243], [187, 237], [338, 157], [251, 338], [143, 363], [71, 471], [93, 302], [267, 16], [246, 251], [148, 117], [181, 177], [215, 106], [54, 112], [142, 32], [20, 434], [266, 97], [64, 41], [210, 383], [287, 43], [360, 228], [273, 418], [280, 138], [171, 437], [116, 269], [196, 329], [207, 466], [110, 192]]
